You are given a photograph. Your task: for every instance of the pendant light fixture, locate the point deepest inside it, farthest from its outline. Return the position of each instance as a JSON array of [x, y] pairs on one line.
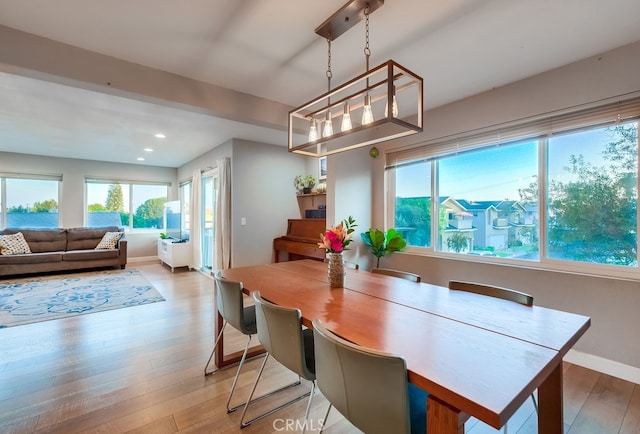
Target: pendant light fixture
[[313, 131], [327, 131], [367, 112], [367, 96], [346, 118]]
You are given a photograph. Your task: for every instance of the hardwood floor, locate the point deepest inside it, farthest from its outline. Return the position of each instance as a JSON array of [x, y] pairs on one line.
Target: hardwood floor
[[140, 370]]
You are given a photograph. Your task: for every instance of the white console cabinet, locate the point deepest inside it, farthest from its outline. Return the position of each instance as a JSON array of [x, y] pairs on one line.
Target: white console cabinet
[[174, 254]]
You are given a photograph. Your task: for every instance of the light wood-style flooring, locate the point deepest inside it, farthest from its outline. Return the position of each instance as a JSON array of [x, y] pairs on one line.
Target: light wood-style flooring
[[140, 370]]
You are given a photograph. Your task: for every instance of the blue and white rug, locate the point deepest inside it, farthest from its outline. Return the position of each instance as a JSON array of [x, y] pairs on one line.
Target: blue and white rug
[[33, 299]]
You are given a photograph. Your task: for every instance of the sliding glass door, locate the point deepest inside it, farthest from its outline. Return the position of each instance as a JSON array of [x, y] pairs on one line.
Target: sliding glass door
[[209, 206]]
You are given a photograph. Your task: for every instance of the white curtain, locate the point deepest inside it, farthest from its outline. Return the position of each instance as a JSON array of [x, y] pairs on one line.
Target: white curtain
[[222, 256], [195, 213]]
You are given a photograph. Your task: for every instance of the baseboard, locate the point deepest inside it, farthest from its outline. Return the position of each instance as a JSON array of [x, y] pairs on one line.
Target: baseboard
[[606, 366], [142, 259]]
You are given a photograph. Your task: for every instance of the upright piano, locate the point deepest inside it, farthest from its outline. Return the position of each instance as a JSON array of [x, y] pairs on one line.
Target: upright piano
[[301, 240]]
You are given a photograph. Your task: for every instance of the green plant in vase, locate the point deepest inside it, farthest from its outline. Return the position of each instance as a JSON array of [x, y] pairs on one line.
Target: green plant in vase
[[383, 243], [304, 183]]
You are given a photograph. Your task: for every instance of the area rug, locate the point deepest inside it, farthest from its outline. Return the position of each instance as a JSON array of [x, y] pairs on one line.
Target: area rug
[[28, 300]]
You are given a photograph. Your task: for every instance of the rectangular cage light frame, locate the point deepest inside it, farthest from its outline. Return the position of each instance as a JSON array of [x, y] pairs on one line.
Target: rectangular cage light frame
[[380, 84]]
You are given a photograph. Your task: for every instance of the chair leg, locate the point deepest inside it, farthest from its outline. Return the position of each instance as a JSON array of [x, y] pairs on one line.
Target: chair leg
[[235, 380], [306, 413], [324, 421], [215, 345], [244, 424]]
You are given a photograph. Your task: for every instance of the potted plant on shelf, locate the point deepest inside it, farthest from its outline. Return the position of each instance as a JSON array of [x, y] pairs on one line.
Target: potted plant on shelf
[[383, 243], [304, 183]]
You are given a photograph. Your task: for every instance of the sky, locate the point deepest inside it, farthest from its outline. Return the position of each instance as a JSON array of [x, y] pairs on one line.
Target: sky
[[26, 192], [487, 175], [497, 174]]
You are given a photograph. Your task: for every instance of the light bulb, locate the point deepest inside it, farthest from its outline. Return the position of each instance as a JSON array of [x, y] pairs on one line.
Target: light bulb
[[394, 108], [328, 126], [367, 114], [313, 131], [346, 118]]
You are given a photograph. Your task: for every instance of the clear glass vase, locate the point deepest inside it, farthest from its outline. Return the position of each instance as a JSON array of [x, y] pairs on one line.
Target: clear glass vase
[[335, 270]]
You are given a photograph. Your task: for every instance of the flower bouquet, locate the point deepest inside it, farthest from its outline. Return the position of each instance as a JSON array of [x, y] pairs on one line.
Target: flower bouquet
[[335, 241], [337, 238]]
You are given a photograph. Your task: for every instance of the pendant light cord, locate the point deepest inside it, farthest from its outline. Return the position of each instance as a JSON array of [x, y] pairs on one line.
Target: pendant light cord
[[329, 73], [367, 51]]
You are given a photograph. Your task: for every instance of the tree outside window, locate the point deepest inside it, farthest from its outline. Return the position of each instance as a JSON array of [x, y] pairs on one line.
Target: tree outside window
[[110, 204], [593, 199]]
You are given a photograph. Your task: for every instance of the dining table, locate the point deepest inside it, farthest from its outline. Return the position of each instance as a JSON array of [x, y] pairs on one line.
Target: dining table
[[476, 355]]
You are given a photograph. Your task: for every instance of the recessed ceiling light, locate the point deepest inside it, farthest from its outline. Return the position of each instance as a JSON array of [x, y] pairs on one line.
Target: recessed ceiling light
[[148, 150], [140, 159], [160, 136]]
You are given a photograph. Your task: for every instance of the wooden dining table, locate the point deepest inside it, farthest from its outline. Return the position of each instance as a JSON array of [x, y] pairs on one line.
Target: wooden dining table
[[476, 355]]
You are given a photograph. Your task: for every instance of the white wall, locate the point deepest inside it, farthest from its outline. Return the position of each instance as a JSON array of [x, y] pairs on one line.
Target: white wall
[[612, 304], [72, 192], [350, 181], [206, 161], [262, 192]]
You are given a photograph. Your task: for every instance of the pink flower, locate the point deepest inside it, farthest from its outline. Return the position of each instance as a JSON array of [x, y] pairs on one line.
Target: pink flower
[[334, 241], [337, 238]]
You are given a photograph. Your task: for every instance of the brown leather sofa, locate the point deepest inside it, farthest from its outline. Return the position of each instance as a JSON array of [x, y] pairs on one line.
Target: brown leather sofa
[[60, 249]]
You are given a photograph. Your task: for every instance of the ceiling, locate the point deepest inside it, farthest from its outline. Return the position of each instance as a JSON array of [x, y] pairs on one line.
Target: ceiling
[[268, 48]]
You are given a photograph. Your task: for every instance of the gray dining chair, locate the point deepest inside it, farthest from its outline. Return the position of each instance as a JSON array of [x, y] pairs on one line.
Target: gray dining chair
[[492, 291], [368, 387], [397, 273], [230, 304], [285, 340], [497, 292]]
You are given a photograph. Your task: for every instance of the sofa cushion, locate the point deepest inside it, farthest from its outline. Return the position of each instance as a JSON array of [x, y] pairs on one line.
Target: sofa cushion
[[109, 240], [30, 258], [89, 255], [86, 238], [13, 244], [42, 240]]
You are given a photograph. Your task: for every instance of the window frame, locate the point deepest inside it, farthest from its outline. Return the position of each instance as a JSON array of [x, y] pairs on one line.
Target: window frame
[[31, 177], [131, 184], [540, 129]]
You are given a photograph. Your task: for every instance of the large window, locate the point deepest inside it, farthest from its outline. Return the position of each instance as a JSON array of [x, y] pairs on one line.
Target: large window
[[485, 207], [29, 202], [485, 200], [592, 212], [131, 205]]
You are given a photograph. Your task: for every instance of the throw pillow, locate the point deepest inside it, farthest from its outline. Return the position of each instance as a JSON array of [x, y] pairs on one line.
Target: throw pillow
[[109, 240], [13, 244]]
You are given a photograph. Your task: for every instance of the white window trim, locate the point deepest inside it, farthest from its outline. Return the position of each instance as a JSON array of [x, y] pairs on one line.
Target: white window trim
[[129, 227], [540, 128]]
